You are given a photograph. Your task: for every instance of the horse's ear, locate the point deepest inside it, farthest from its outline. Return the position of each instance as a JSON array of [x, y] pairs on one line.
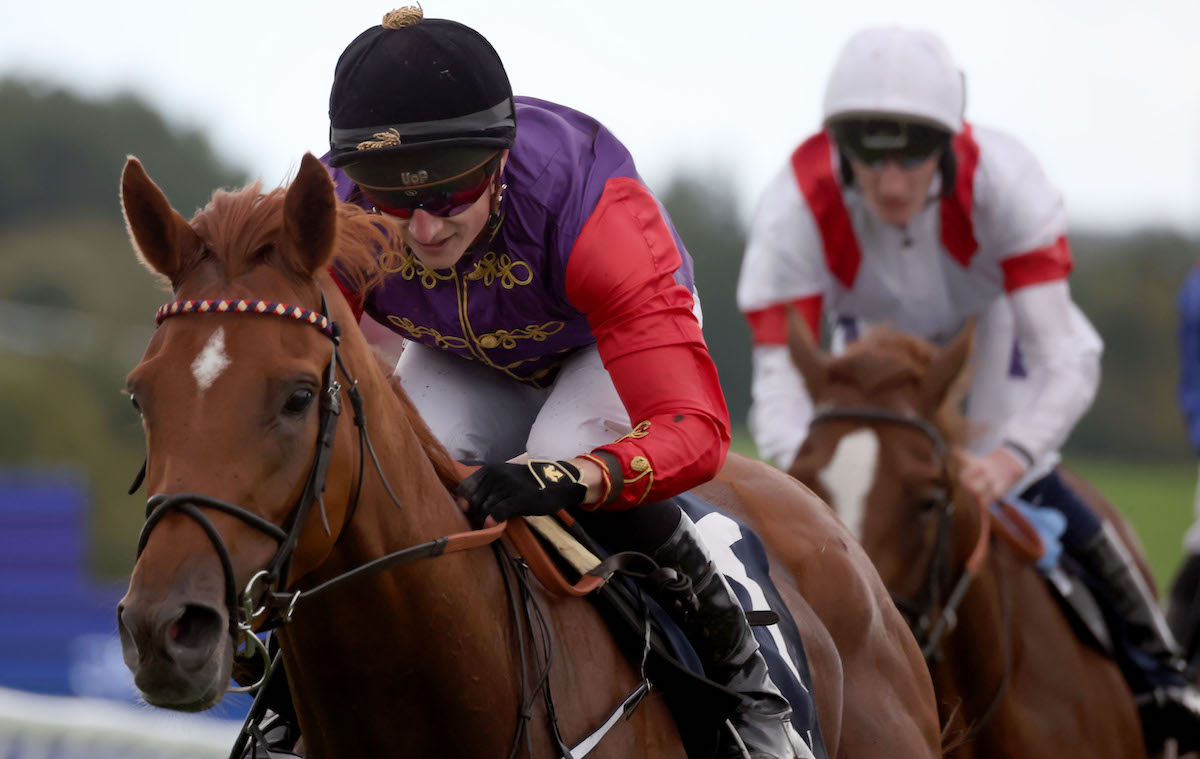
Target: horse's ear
[[164, 242], [945, 368], [310, 216], [806, 354]]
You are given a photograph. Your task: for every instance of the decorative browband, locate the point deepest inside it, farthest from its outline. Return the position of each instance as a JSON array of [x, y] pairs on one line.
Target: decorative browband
[[175, 308]]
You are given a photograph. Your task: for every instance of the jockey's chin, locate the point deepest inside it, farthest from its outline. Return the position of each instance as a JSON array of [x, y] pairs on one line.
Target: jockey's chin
[[440, 241]]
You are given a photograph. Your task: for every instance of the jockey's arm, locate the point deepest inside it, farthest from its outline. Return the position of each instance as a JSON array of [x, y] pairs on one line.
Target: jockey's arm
[[1062, 351], [621, 276], [1062, 355], [1019, 211], [781, 407], [783, 269]]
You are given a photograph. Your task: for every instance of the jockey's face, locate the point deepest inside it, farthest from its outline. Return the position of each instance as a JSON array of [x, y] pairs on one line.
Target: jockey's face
[[439, 241], [894, 193]]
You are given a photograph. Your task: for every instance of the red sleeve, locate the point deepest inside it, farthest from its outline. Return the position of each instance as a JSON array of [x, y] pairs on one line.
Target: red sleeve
[[1047, 264], [621, 275], [769, 326], [353, 298]]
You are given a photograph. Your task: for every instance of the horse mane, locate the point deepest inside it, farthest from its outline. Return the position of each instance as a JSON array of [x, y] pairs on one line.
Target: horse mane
[[886, 358], [242, 229]]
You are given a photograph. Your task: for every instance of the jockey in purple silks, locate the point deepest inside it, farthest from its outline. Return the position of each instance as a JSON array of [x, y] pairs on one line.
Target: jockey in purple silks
[[550, 321]]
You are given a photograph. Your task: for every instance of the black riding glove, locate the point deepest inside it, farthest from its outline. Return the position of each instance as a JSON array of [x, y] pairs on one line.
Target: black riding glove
[[540, 486]]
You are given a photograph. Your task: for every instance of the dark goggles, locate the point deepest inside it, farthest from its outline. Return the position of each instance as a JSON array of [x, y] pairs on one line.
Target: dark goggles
[[876, 142], [445, 197]]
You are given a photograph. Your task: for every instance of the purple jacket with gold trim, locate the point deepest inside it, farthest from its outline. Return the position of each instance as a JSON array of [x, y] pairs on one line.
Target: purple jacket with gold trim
[[505, 302]]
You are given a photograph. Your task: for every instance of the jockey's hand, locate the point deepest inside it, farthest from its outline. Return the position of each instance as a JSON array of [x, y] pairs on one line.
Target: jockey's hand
[[987, 478], [539, 486]]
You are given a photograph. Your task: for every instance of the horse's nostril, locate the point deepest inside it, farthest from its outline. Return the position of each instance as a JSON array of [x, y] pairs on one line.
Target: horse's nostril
[[197, 628]]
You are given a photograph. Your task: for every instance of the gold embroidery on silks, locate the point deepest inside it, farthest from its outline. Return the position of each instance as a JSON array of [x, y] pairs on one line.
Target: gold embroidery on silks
[[443, 341], [410, 267], [493, 268], [490, 268], [507, 339], [640, 431]]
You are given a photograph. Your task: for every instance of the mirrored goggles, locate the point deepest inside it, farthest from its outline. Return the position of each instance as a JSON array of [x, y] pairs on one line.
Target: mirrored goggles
[[447, 197], [877, 142]]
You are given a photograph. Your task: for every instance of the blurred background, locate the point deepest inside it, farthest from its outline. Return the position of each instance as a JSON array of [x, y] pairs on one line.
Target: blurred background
[[710, 97]]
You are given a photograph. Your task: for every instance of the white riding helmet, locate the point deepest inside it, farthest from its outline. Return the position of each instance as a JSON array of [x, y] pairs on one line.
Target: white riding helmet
[[896, 72]]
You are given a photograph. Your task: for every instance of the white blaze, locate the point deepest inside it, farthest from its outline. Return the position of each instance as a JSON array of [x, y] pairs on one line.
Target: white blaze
[[848, 477], [212, 360]]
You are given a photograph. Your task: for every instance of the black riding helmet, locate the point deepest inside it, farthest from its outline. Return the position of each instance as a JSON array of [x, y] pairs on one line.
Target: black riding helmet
[[418, 98]]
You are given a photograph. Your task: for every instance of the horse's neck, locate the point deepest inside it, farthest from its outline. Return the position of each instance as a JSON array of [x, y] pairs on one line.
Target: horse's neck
[[436, 629]]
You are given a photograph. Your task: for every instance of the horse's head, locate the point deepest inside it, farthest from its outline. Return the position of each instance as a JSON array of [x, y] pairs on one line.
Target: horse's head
[[231, 394], [876, 451]]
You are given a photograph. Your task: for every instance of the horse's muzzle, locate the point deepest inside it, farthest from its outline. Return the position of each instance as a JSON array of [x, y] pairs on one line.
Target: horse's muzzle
[[180, 652]]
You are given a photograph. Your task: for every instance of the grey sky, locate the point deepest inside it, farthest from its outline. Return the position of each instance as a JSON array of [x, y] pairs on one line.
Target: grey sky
[[1105, 93]]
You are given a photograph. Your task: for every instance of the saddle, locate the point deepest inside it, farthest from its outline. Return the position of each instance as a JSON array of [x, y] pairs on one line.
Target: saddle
[[1033, 532]]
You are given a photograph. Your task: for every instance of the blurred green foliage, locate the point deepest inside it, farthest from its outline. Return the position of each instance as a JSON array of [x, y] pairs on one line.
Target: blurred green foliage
[[61, 155], [76, 310]]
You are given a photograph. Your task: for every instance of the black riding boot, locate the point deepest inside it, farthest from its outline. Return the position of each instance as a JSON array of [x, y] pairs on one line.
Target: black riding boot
[[721, 636], [1171, 707]]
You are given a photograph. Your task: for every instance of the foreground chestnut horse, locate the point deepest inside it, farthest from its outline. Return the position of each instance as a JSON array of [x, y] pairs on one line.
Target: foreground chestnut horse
[[1012, 678], [424, 659]]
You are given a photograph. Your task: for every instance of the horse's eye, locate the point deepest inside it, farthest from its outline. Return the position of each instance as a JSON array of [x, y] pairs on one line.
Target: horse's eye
[[299, 402], [932, 499], [133, 402]]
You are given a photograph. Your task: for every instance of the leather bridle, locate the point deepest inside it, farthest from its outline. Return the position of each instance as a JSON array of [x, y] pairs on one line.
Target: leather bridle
[[930, 612], [262, 594], [929, 618]]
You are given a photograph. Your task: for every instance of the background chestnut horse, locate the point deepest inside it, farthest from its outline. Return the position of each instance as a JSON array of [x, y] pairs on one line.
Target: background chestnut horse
[[1012, 678], [424, 659]]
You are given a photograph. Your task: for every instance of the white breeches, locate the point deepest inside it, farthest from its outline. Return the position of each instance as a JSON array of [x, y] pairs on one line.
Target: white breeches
[[483, 416]]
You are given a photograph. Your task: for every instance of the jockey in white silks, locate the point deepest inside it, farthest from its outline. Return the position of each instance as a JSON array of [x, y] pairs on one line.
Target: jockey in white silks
[[899, 212]]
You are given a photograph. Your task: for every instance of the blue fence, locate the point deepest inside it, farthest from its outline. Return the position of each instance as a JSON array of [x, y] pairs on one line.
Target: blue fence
[[58, 626], [54, 620]]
